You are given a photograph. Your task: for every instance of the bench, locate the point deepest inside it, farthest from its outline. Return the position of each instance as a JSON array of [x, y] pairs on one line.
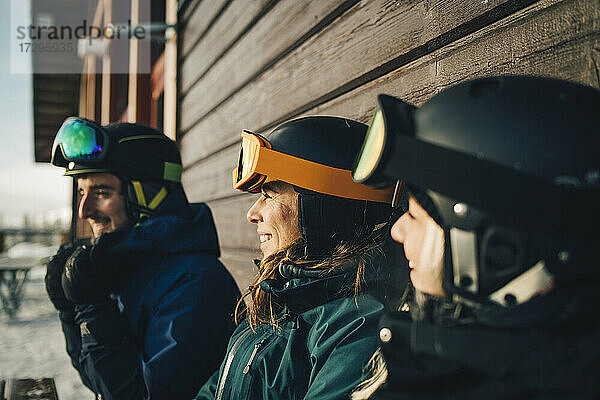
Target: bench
[[28, 389], [13, 274]]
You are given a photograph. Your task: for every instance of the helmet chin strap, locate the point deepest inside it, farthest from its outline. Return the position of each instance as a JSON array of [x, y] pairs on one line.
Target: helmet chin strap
[[138, 207], [464, 259]]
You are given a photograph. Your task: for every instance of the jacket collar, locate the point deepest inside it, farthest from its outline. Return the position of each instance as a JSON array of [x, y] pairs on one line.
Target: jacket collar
[[303, 293], [189, 229]]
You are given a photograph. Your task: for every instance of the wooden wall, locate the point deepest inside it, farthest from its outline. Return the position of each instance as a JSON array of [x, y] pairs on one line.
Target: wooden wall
[[252, 64]]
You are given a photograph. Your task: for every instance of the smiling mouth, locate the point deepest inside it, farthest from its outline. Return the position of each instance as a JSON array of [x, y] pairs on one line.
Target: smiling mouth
[[98, 219], [265, 237]]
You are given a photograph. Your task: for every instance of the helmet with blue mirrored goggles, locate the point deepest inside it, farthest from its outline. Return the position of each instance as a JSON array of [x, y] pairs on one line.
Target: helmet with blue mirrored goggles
[[79, 140], [132, 151]]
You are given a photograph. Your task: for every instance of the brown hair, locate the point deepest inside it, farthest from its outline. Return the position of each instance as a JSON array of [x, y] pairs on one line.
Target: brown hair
[[263, 308]]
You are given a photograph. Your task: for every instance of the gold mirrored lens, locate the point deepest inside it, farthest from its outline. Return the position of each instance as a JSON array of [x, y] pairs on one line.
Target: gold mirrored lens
[[247, 154], [372, 149]]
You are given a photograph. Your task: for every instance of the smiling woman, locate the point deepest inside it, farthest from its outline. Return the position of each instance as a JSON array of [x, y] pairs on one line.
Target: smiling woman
[[276, 216], [318, 297]]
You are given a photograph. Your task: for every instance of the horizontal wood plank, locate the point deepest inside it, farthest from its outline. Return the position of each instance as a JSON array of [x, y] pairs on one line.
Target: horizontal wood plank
[[235, 232], [525, 43], [367, 36], [553, 38], [199, 21], [213, 180], [231, 24], [280, 28]]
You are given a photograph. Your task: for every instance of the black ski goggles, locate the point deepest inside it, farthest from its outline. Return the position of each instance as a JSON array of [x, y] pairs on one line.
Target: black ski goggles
[[391, 122], [79, 140], [375, 165]]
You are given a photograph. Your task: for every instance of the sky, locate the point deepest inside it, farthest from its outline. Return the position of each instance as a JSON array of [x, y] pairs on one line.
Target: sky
[[26, 187]]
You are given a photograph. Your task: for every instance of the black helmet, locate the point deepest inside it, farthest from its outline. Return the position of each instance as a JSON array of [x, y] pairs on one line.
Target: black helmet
[[146, 160], [512, 166], [316, 155]]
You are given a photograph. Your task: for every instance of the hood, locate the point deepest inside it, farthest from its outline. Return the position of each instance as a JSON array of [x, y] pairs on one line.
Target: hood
[[535, 350], [471, 355]]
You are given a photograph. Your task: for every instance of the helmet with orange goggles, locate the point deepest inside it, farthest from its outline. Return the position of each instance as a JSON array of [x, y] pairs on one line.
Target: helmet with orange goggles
[[315, 155], [259, 163]]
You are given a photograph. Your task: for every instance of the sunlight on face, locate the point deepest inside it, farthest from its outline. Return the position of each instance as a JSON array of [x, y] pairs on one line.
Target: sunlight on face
[[423, 241], [102, 203], [276, 216]]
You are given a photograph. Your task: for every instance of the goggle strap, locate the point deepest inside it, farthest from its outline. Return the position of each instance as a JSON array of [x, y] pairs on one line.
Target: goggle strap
[[85, 171], [318, 177], [557, 208]]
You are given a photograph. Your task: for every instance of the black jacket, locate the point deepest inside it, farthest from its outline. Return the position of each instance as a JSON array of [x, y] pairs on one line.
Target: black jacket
[[548, 348]]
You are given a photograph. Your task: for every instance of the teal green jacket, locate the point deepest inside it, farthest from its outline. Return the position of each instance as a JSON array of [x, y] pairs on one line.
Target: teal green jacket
[[319, 351]]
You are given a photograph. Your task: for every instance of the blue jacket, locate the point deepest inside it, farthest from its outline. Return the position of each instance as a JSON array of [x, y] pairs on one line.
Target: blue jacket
[[318, 351], [166, 331]]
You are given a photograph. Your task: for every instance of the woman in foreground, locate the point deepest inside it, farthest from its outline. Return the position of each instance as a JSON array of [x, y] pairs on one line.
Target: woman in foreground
[[311, 320], [502, 177]]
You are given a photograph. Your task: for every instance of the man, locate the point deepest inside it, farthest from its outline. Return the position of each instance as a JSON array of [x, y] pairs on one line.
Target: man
[[146, 308]]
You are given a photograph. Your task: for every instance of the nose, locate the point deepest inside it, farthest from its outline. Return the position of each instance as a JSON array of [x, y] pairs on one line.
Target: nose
[[87, 206], [398, 230], [254, 215]]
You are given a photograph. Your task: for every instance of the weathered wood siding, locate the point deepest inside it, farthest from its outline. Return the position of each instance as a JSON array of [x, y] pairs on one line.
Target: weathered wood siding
[[252, 64]]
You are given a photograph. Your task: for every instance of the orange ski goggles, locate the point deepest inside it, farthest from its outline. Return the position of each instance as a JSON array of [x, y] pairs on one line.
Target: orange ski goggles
[[258, 164]]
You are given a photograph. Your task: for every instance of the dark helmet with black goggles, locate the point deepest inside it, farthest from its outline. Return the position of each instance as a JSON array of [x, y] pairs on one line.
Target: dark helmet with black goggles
[[512, 165]]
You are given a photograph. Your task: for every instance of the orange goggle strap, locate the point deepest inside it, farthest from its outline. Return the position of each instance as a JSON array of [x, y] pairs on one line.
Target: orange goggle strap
[[270, 165]]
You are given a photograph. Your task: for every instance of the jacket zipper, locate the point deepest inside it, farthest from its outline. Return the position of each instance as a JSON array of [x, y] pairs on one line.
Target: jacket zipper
[[256, 347], [227, 367]]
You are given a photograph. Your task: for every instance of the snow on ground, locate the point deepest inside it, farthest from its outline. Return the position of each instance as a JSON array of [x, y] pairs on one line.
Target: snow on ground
[[32, 344], [31, 250]]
